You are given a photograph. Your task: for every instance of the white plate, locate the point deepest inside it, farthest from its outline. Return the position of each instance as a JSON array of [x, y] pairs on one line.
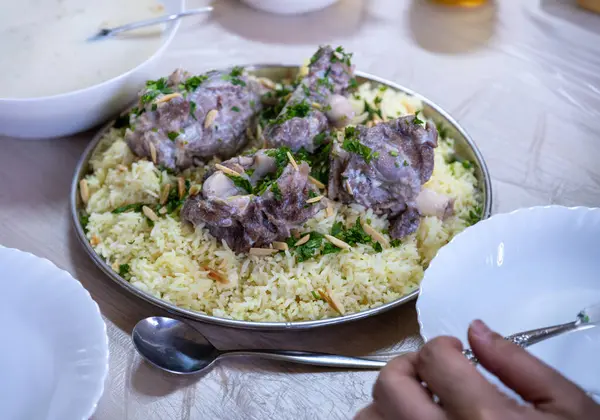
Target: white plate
[[289, 7], [528, 269], [54, 352]]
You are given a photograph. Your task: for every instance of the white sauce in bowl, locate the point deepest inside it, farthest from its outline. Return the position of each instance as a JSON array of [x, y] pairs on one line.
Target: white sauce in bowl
[[44, 48]]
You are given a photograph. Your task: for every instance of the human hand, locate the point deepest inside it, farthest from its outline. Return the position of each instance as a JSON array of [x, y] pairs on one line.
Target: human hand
[[464, 394]]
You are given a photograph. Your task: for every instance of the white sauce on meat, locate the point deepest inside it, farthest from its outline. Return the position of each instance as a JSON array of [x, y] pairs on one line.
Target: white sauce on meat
[[44, 48]]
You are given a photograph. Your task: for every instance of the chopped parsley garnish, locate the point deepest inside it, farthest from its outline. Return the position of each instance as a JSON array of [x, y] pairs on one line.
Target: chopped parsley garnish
[[276, 191], [300, 110], [395, 243], [341, 56], [474, 215], [442, 130], [377, 100], [252, 103], [241, 182], [372, 111], [193, 110], [234, 76], [84, 219], [124, 270], [235, 109], [193, 83], [173, 201], [405, 163], [383, 88], [172, 135], [353, 84], [316, 295], [393, 153], [325, 82], [417, 120], [310, 248], [155, 88], [377, 247], [353, 145], [128, 207], [466, 164]]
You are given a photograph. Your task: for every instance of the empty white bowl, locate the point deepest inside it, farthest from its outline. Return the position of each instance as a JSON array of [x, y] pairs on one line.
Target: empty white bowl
[[72, 112], [289, 7], [54, 355], [528, 269]]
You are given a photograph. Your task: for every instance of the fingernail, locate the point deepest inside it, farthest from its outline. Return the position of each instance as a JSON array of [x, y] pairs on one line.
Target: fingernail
[[480, 330]]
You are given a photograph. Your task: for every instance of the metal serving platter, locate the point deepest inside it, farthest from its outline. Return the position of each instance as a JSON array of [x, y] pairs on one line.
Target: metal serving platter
[[465, 149]]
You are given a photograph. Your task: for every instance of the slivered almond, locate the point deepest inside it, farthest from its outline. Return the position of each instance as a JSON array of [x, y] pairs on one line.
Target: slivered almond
[[153, 152], [215, 275], [263, 252], [164, 194], [317, 105], [338, 55], [210, 117], [335, 302], [163, 210], [94, 240], [84, 191], [375, 234], [295, 234], [314, 199], [239, 168], [227, 170], [292, 160], [303, 240], [369, 124], [195, 189], [121, 167], [316, 182], [167, 98], [340, 136], [149, 213], [249, 134], [329, 210], [348, 187], [268, 83], [337, 242], [282, 246], [180, 187]]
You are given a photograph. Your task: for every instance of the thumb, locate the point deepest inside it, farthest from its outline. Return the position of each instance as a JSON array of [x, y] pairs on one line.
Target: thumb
[[531, 378]]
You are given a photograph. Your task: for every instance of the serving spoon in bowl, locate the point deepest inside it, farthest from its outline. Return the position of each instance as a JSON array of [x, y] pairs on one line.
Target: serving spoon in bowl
[[108, 32], [177, 347]]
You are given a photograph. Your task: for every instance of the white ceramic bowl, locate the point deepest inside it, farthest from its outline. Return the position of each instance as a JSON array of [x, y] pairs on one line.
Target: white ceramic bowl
[[72, 112], [523, 270], [289, 7], [54, 353]]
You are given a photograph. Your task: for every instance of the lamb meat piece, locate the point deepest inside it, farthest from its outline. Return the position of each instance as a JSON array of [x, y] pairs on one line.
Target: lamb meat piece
[[329, 76], [183, 118], [383, 168], [245, 219]]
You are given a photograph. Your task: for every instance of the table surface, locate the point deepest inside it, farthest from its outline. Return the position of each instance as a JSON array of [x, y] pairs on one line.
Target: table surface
[[522, 77]]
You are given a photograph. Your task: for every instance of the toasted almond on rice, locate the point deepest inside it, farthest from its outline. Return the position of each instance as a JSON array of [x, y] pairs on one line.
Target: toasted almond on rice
[[314, 199], [303, 240], [292, 160], [316, 182], [317, 105], [84, 191], [210, 117], [121, 167], [149, 213], [94, 240], [180, 187], [281, 246], [268, 83], [337, 242], [374, 234], [153, 153], [195, 189], [216, 276], [167, 98], [329, 209], [227, 170], [239, 168], [164, 194], [163, 210], [263, 252], [335, 302], [348, 187]]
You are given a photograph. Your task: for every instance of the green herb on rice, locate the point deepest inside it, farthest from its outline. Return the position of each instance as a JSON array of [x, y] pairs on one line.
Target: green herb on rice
[[235, 76], [129, 207], [193, 83], [155, 88], [172, 135], [241, 182], [297, 110], [475, 215], [442, 130], [417, 120], [395, 243], [124, 271]]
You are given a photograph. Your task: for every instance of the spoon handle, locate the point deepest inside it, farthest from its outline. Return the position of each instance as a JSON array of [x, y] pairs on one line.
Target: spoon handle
[[527, 338], [155, 21], [310, 358]]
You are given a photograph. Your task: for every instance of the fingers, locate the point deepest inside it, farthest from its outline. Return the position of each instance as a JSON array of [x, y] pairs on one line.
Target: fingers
[[461, 389], [531, 378], [368, 413], [399, 395]]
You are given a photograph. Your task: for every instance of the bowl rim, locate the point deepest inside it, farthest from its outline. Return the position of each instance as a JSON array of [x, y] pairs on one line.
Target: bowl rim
[[481, 225], [258, 325], [172, 28]]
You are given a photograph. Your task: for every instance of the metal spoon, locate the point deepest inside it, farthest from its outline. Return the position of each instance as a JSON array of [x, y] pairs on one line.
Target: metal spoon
[[107, 32], [179, 348]]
